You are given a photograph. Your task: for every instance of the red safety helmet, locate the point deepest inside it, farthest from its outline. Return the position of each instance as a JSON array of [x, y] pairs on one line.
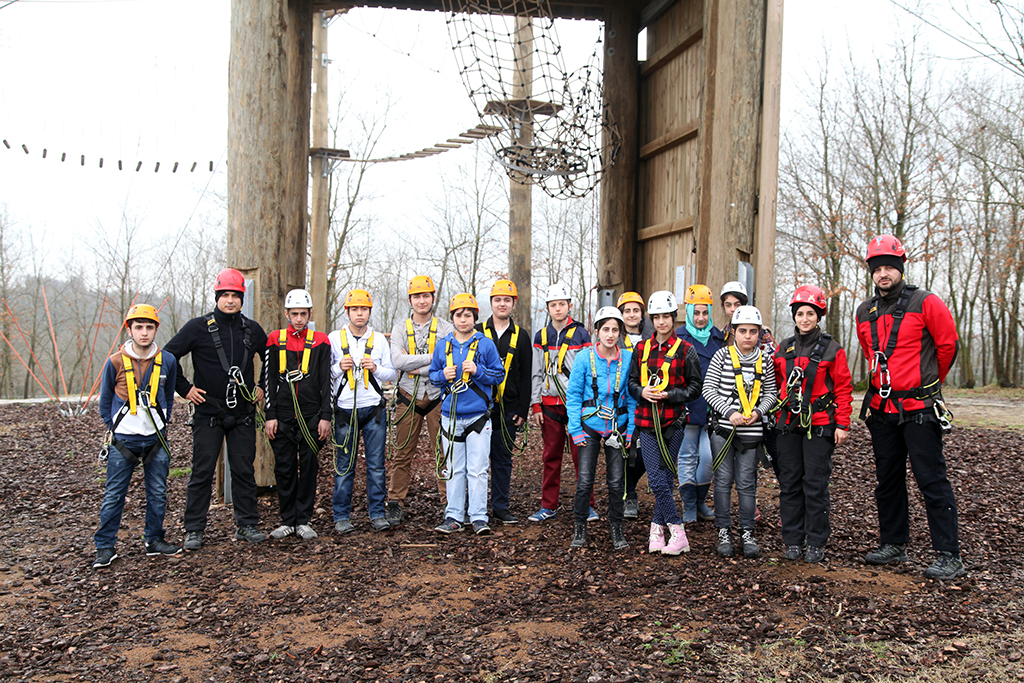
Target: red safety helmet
[[229, 280], [809, 295], [886, 245]]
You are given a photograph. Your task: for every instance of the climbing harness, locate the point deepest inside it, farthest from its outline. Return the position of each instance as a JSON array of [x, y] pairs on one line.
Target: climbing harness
[[800, 386], [659, 382], [236, 383], [463, 383], [508, 439], [559, 369]]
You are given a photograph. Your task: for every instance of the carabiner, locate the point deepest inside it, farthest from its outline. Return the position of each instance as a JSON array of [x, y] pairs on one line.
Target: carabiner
[[235, 375], [458, 386], [654, 381], [293, 376], [231, 395], [605, 413]]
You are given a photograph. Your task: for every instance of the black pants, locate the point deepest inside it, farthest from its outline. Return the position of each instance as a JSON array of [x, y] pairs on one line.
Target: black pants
[[634, 472], [614, 466], [502, 438], [804, 471], [893, 443], [295, 467], [241, 445]]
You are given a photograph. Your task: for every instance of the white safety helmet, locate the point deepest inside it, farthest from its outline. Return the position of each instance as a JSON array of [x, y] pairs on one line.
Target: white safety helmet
[[735, 287], [558, 292], [608, 313], [298, 298], [747, 315], [662, 301]]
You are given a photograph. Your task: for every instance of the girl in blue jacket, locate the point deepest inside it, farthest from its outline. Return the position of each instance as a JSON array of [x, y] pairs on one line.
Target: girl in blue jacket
[[600, 410]]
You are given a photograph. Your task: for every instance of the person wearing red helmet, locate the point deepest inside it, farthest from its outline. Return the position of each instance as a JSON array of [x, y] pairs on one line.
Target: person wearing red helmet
[[816, 393], [910, 340], [224, 345]]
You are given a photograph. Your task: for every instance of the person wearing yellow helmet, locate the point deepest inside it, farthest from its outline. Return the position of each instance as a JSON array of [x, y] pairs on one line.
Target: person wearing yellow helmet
[[413, 341], [136, 397]]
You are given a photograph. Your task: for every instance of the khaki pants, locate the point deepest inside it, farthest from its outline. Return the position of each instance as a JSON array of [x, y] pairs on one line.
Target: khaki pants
[[401, 459]]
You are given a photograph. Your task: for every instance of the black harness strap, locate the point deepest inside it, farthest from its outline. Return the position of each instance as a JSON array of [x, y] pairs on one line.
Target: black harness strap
[[404, 400], [211, 325], [880, 360], [593, 402], [474, 428], [800, 401]]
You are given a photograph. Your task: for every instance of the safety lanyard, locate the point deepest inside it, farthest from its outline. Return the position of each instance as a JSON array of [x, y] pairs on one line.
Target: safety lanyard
[[350, 376], [282, 359], [663, 373], [745, 403], [561, 351], [880, 359], [489, 333], [450, 361], [410, 334], [154, 382], [602, 411]]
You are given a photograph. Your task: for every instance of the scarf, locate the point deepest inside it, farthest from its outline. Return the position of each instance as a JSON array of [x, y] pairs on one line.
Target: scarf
[[701, 335]]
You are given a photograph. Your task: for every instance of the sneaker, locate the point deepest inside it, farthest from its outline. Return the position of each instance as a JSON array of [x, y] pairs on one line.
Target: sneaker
[[193, 540], [793, 552], [449, 526], [343, 526], [505, 517], [380, 524], [888, 553], [305, 532], [541, 515], [393, 513], [282, 531], [750, 549], [593, 516], [814, 554], [724, 542], [104, 556], [161, 547], [250, 534], [480, 528], [677, 542], [946, 566], [656, 541], [631, 507]]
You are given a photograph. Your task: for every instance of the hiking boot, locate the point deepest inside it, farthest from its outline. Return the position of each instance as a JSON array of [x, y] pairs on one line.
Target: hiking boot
[[946, 566], [677, 542], [282, 531], [480, 528], [250, 534], [814, 554], [344, 526], [449, 526], [541, 515], [888, 553], [793, 552], [193, 540], [619, 541], [631, 507], [104, 556], [305, 532], [579, 535], [656, 541], [750, 549], [380, 524], [505, 517], [724, 542], [161, 547], [393, 513], [593, 516]]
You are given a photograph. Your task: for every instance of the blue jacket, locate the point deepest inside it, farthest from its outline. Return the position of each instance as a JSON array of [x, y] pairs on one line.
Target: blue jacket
[[489, 373], [581, 389], [114, 395], [699, 408]]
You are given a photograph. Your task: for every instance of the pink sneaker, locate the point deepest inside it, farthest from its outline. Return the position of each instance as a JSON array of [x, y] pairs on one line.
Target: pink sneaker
[[657, 539], [677, 542]]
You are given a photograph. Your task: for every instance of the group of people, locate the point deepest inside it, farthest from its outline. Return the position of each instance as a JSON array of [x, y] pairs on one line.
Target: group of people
[[682, 402]]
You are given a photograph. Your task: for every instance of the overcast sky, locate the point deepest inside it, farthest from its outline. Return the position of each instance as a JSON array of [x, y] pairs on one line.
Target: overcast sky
[[146, 80]]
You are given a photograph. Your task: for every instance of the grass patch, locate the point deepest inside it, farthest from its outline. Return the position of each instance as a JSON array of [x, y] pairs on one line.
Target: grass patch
[[178, 472]]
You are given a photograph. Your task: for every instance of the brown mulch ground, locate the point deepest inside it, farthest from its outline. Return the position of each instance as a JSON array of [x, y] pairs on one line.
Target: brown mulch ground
[[513, 606]]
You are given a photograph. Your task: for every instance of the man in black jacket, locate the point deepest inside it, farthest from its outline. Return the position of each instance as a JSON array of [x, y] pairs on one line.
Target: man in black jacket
[[512, 399], [223, 345]]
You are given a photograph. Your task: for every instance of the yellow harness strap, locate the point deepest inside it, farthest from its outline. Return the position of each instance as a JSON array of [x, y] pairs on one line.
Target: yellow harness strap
[[282, 348], [628, 342], [450, 361], [410, 334], [561, 352], [366, 354], [665, 366], [133, 389], [746, 403], [508, 357]]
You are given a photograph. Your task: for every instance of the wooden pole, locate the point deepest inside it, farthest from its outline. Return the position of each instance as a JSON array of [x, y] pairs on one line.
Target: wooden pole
[[520, 211], [764, 249], [618, 185], [320, 227]]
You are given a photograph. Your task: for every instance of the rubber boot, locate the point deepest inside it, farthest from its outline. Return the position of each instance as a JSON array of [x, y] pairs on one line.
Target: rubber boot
[[688, 492], [704, 513], [618, 538], [579, 535], [677, 542], [657, 539]]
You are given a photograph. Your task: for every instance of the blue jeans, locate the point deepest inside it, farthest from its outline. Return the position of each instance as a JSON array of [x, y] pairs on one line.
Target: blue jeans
[[695, 456], [374, 433], [119, 476], [739, 466], [467, 469]]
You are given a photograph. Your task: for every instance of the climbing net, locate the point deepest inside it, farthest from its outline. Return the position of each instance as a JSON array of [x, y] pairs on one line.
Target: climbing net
[[556, 130]]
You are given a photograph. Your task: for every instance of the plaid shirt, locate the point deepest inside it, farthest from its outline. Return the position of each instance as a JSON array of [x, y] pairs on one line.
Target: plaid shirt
[[684, 381]]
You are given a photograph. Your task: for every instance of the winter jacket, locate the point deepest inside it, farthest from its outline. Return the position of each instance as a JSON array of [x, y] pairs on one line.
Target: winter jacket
[[489, 373], [114, 391], [517, 394], [546, 380], [699, 407], [832, 392], [683, 385], [581, 390], [312, 391]]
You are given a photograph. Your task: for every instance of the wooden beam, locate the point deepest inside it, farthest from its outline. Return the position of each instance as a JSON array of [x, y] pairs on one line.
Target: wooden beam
[[669, 140], [650, 13], [662, 229], [320, 196], [768, 182], [687, 37], [520, 206]]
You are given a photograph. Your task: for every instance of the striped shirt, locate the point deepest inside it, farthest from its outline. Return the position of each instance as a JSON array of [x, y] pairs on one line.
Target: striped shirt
[[723, 398]]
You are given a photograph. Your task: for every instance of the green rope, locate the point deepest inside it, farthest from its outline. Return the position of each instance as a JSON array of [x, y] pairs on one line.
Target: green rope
[[392, 433], [303, 427], [666, 457], [351, 438], [443, 456]]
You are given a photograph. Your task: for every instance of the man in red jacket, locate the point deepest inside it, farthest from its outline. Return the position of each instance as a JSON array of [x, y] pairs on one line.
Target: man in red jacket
[[910, 340]]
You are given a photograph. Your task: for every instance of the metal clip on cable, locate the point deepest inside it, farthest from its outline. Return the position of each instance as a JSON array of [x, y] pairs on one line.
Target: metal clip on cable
[[884, 381], [944, 415], [293, 376], [654, 380], [458, 386], [605, 413], [105, 448], [231, 395]]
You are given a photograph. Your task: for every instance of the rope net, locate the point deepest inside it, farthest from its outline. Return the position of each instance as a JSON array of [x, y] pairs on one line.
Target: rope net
[[556, 130]]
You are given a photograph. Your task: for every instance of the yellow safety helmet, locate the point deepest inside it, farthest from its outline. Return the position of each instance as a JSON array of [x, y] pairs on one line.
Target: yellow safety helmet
[[505, 288], [698, 294], [141, 312], [420, 284], [358, 297], [463, 300], [631, 297]]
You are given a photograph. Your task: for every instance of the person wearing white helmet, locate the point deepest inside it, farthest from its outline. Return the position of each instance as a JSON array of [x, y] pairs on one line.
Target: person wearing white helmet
[[298, 409], [554, 349], [600, 410], [740, 390], [664, 375]]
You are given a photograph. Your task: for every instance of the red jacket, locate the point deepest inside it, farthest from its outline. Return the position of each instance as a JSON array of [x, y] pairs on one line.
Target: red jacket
[[831, 377], [925, 350]]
